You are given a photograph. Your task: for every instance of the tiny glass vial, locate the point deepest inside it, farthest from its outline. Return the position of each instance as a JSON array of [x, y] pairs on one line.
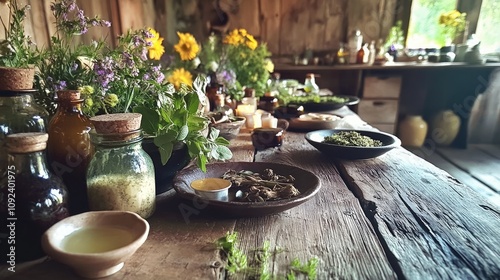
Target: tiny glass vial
[[310, 86], [120, 175], [32, 199]]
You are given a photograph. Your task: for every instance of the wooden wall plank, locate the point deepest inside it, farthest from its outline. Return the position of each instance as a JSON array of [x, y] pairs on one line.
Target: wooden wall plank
[[36, 24], [335, 24], [131, 15], [102, 10], [270, 12], [246, 16], [294, 27]]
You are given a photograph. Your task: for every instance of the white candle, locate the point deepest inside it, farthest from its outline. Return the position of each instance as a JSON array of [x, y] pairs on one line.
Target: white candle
[[269, 121], [257, 121], [245, 109]]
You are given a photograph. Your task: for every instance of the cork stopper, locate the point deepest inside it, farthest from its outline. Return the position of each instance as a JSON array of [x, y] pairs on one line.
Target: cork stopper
[[26, 142], [68, 95], [122, 126]]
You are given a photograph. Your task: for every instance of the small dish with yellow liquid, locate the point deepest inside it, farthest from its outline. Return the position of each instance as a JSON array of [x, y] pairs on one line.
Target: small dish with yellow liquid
[[96, 244], [212, 188]]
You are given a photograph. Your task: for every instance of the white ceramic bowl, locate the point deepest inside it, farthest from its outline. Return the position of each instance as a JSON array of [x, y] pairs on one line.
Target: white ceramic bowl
[[96, 244]]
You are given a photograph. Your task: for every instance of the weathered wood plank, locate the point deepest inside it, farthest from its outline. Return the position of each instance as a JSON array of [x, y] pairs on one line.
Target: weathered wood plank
[[493, 150], [246, 15], [35, 25], [131, 15], [331, 226], [433, 226], [294, 27], [479, 164], [462, 176], [270, 24]]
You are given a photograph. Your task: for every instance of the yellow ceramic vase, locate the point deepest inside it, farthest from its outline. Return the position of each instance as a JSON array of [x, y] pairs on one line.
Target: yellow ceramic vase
[[412, 131], [444, 127]]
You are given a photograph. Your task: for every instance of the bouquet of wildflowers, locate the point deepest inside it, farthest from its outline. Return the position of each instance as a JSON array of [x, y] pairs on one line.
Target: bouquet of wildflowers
[[248, 59], [65, 66], [18, 49], [237, 61], [127, 76], [452, 23]]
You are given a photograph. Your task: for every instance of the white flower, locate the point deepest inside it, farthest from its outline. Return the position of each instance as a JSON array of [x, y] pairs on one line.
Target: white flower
[[196, 62], [213, 66]]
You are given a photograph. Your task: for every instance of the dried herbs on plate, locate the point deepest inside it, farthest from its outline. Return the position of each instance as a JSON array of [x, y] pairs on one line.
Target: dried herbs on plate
[[352, 138], [256, 187]]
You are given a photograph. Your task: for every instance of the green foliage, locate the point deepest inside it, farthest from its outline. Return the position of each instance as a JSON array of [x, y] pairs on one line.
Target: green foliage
[[238, 262], [17, 50], [424, 30], [177, 119]]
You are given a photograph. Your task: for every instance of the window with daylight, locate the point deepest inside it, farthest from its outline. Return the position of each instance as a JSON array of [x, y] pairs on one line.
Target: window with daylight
[[487, 26]]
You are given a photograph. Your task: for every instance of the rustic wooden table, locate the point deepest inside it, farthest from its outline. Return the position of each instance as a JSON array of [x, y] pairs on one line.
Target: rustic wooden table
[[392, 217]]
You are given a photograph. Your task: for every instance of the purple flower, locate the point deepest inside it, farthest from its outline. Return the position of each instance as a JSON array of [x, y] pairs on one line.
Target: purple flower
[[104, 70], [60, 85]]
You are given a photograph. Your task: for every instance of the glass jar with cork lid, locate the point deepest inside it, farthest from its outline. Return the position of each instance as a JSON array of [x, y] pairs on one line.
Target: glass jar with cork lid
[[120, 175], [32, 199]]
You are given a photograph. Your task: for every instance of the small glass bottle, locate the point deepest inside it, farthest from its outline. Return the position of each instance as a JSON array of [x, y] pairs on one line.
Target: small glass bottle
[[68, 148], [341, 54], [18, 113], [120, 175], [360, 56], [310, 86], [372, 53], [31, 198]]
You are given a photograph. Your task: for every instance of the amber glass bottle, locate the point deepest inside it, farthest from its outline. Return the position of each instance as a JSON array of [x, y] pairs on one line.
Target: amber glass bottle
[[31, 198], [68, 148]]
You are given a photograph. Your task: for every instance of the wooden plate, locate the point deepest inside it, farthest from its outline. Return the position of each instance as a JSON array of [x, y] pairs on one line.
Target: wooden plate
[[306, 182]]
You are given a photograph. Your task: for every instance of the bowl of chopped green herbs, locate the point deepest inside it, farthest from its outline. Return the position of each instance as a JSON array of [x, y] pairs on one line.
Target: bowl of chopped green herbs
[[352, 144], [317, 103]]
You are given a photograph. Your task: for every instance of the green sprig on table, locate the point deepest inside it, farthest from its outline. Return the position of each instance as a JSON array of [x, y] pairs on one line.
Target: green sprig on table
[[237, 261]]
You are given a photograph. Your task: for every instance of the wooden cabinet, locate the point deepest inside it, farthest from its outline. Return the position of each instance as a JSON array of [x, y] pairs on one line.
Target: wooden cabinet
[[380, 101]]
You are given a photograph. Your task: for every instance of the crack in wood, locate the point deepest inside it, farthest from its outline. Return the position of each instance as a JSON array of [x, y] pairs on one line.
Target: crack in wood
[[370, 209]]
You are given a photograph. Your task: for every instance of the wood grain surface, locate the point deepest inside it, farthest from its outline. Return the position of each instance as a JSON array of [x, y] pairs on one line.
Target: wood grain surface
[[392, 217]]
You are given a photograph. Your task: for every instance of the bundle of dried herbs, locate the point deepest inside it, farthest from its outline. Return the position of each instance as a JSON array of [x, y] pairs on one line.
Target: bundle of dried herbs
[[351, 138], [256, 187]]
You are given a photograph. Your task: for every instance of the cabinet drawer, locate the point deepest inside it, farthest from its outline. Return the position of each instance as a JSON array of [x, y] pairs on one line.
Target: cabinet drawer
[[378, 110], [385, 127], [382, 87]]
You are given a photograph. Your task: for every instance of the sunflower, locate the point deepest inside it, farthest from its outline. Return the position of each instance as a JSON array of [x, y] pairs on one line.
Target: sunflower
[[156, 50], [180, 76], [187, 47]]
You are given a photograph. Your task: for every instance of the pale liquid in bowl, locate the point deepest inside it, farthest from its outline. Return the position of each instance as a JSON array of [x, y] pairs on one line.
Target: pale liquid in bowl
[[96, 240]]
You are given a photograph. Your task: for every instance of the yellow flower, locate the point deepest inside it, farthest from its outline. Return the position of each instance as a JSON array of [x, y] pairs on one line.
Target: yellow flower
[[187, 47], [269, 65], [89, 102], [156, 50], [86, 90], [251, 42], [111, 100], [233, 38], [180, 76]]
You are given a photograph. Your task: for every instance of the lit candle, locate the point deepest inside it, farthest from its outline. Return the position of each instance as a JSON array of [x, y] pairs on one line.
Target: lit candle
[[245, 109]]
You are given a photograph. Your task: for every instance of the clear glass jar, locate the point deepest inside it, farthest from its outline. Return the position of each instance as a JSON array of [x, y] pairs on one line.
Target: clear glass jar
[[120, 175], [18, 113], [32, 199]]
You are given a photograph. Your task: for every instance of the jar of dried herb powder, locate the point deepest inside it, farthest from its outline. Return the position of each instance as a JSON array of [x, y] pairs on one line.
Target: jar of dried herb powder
[[120, 175]]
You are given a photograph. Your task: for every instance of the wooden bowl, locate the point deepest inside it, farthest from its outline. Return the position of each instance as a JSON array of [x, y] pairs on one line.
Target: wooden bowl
[[96, 244]]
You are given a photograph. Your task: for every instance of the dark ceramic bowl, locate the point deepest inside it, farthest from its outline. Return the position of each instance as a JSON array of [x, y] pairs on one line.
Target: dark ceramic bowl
[[389, 142], [306, 182], [329, 106]]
